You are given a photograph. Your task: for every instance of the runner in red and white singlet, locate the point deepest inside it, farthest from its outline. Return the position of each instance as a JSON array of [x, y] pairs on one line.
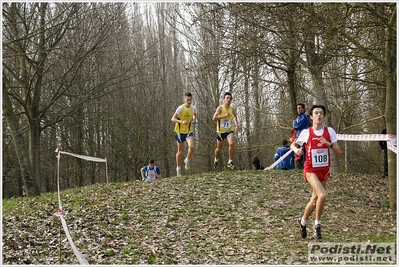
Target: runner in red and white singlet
[[317, 142]]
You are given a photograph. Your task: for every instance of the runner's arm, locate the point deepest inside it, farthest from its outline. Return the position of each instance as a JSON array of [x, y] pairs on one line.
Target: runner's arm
[[216, 116]]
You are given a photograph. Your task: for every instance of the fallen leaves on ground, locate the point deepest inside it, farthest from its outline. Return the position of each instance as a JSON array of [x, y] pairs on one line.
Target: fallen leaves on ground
[[240, 217]]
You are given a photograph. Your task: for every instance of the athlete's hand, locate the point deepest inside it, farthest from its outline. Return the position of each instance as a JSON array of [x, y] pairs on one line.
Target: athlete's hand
[[227, 115], [194, 121], [324, 141], [184, 122], [299, 152]]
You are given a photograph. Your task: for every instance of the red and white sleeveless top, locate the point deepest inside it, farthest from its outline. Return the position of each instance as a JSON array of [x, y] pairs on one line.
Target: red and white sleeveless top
[[317, 154]]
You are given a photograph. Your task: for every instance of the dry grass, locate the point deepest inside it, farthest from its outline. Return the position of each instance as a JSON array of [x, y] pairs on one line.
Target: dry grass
[[241, 217]]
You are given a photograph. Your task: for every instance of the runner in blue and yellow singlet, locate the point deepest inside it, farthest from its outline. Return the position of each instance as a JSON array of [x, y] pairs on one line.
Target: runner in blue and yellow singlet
[[224, 116], [184, 118]]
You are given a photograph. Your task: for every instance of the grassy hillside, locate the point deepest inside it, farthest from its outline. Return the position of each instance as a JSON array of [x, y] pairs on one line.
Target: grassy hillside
[[241, 217]]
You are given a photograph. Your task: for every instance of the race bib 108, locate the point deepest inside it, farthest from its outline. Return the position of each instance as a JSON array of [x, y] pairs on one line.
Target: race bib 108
[[320, 157]]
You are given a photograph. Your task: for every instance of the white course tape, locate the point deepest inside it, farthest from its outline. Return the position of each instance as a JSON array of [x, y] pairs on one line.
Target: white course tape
[[392, 147], [390, 138], [366, 137], [278, 161], [79, 255], [82, 157], [58, 213], [89, 158]]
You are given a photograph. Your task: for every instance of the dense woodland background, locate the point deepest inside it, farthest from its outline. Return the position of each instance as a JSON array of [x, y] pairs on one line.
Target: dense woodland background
[[104, 79]]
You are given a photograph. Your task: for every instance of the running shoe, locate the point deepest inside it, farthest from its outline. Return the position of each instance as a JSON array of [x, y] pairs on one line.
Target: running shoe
[[317, 231], [178, 172], [302, 229], [231, 165], [215, 164], [187, 164]]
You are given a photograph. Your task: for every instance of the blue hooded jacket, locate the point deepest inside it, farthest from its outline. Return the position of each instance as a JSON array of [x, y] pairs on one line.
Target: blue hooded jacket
[[301, 122]]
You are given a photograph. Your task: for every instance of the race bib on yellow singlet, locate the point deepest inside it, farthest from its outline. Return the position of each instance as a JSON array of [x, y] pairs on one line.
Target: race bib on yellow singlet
[[319, 157], [226, 124]]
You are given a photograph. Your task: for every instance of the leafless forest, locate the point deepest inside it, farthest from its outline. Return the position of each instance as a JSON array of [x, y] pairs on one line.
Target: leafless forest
[[104, 79]]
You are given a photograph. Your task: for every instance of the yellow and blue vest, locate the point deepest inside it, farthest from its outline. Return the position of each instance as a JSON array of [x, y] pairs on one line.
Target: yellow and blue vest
[[185, 115], [226, 124]]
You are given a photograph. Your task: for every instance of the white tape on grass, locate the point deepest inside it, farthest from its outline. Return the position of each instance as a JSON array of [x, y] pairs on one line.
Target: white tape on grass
[[58, 213], [82, 260]]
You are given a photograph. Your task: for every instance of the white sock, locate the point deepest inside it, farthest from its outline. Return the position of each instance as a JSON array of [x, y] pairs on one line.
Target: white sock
[[303, 222], [216, 160], [230, 161], [316, 222], [187, 160], [179, 167]]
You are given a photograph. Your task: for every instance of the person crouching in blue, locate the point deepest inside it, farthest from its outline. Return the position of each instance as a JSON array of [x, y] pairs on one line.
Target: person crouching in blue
[[150, 172], [287, 163]]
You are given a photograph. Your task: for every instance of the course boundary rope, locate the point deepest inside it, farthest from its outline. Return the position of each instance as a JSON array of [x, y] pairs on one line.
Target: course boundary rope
[[279, 160], [389, 138], [82, 260]]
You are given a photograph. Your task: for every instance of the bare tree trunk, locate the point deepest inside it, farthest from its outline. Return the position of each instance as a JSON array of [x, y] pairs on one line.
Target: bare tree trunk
[[387, 63], [317, 58], [390, 107], [390, 114], [258, 123], [32, 188]]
